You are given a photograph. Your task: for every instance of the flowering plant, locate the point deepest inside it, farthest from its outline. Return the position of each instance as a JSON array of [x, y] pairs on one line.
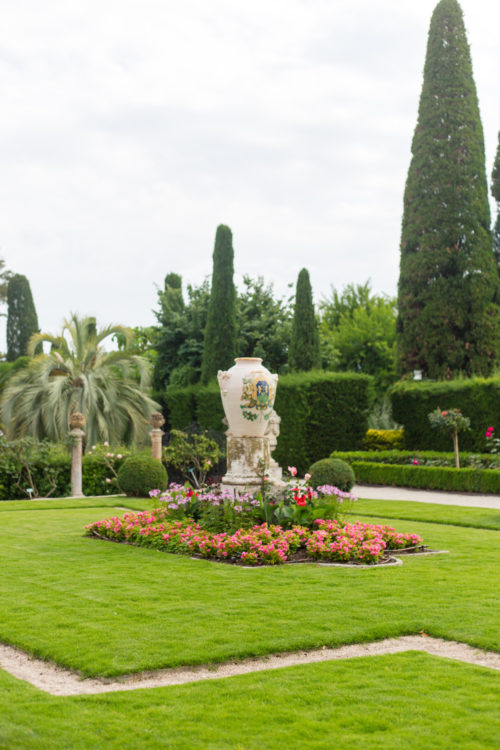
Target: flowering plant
[[493, 443], [299, 503], [262, 544], [452, 421]]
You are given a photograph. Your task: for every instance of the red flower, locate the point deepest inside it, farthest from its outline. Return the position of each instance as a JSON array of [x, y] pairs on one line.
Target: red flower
[[301, 501]]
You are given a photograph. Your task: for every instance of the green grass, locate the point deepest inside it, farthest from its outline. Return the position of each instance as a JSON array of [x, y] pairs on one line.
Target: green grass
[[63, 503], [376, 702], [105, 608], [108, 609], [456, 515]]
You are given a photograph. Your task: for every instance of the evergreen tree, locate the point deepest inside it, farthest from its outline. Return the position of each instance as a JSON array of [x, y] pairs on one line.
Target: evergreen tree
[[304, 347], [178, 340], [448, 322], [264, 324], [495, 191], [5, 275], [219, 348], [22, 320]]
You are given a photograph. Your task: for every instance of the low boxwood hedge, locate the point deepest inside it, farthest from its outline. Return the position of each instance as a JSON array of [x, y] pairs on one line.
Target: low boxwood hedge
[[443, 458], [428, 477]]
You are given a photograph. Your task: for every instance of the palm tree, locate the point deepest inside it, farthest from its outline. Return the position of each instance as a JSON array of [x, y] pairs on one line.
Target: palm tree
[[109, 388]]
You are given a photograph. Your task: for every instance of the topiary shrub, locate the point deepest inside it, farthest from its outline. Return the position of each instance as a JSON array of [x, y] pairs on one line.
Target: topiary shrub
[[141, 473], [383, 440], [332, 471]]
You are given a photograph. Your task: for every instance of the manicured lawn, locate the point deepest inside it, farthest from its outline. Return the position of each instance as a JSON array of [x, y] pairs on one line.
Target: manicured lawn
[[391, 702], [455, 515], [108, 609]]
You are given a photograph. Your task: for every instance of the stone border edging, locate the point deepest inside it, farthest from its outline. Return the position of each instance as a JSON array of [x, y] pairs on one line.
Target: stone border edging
[[62, 682]]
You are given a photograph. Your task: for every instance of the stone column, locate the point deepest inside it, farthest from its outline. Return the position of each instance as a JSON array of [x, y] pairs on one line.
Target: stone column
[[156, 420], [76, 422]]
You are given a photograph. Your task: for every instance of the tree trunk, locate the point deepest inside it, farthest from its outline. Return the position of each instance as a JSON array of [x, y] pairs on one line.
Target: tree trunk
[[455, 446]]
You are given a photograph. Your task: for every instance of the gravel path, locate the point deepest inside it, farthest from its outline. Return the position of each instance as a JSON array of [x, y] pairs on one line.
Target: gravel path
[[57, 681], [466, 499]]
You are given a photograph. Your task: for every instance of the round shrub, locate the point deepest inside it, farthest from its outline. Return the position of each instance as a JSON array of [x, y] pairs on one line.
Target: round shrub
[[332, 471], [140, 474]]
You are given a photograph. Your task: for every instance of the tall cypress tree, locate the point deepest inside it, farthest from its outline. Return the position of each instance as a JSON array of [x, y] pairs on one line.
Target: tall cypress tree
[[448, 322], [22, 320], [220, 344], [495, 191], [304, 351]]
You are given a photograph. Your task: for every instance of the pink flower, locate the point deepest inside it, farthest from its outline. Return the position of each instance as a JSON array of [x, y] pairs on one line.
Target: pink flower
[[415, 462], [119, 455], [307, 477], [105, 442], [293, 471], [108, 480]]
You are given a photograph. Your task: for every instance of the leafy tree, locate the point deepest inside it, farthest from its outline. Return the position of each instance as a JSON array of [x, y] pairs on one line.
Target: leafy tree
[[495, 191], [22, 320], [220, 344], [179, 337], [304, 345], [264, 324], [358, 333], [448, 322], [5, 275], [109, 388]]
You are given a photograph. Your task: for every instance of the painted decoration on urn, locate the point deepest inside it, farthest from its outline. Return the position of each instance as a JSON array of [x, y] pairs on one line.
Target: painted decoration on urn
[[248, 390]]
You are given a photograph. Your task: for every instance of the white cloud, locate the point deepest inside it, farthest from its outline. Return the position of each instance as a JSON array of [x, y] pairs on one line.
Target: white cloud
[[131, 130]]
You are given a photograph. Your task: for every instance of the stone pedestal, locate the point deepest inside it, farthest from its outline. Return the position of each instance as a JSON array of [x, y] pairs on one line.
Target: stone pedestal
[[247, 460], [76, 421], [156, 420]]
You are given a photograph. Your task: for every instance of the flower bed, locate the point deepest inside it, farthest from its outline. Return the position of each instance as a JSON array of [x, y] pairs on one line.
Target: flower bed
[[262, 544]]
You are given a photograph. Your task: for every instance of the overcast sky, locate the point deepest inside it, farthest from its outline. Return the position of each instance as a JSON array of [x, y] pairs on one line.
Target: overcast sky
[[131, 129]]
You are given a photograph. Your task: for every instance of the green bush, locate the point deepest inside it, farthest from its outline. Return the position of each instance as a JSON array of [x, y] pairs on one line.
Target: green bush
[[428, 477], [478, 398], [332, 471], [382, 440], [141, 473]]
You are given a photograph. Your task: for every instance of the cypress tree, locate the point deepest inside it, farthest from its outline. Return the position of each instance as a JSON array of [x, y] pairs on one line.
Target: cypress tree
[[304, 346], [495, 191], [220, 344], [448, 322], [22, 320]]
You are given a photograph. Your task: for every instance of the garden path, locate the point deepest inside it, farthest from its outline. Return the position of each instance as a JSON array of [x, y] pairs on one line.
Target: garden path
[[58, 681], [468, 499]]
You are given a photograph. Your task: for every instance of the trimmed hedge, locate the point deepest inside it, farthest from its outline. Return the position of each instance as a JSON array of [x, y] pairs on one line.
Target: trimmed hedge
[[320, 412], [445, 458], [428, 477], [478, 399], [383, 440], [141, 473]]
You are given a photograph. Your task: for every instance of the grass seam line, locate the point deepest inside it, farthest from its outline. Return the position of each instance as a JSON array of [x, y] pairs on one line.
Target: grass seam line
[[58, 681]]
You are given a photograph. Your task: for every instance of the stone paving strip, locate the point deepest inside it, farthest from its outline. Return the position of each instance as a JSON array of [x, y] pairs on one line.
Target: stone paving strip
[[61, 682]]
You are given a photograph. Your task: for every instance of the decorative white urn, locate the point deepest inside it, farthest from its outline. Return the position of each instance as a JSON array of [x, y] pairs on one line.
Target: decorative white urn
[[248, 391]]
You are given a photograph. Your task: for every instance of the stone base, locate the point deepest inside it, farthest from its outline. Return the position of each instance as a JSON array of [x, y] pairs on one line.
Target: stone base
[[247, 461]]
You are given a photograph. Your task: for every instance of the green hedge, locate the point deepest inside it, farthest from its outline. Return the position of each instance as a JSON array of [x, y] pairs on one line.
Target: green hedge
[[428, 477], [319, 412], [478, 398], [445, 458]]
